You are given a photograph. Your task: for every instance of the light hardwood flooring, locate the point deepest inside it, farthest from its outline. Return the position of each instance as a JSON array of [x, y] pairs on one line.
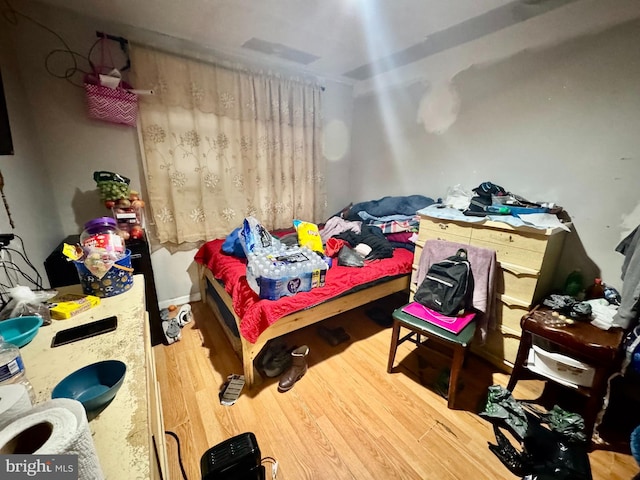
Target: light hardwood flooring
[[346, 418]]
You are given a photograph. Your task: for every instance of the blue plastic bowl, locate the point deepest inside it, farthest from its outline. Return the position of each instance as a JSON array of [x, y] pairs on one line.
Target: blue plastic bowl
[[20, 330], [94, 385]]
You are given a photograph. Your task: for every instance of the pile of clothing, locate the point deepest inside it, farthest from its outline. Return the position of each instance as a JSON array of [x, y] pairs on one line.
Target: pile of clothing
[[369, 230], [374, 228]]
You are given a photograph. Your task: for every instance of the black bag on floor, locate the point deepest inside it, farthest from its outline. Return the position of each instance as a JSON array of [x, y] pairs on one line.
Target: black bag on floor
[[447, 287], [545, 454]]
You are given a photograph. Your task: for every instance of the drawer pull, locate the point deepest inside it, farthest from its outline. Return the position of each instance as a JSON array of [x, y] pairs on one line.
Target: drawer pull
[[510, 239], [443, 226]]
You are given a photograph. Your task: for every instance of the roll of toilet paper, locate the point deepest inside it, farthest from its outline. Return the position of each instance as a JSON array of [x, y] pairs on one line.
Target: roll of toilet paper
[[14, 401], [55, 427]]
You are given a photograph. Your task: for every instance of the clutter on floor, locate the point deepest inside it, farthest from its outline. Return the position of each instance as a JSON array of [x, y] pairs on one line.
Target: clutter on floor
[[551, 445], [296, 371], [275, 359], [231, 389], [380, 316], [333, 336], [174, 318]]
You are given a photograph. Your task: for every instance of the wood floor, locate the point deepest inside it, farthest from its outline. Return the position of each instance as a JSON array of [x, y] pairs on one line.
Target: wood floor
[[346, 418]]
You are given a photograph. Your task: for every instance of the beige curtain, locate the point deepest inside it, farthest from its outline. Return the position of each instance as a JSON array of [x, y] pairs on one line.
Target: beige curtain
[[221, 144]]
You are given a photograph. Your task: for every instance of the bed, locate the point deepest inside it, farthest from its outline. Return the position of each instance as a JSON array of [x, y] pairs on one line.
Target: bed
[[250, 322]]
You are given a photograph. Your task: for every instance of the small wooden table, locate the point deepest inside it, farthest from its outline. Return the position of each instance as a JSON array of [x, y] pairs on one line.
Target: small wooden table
[[580, 341]]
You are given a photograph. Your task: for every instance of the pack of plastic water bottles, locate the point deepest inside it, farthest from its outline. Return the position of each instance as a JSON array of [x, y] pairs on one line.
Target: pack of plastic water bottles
[[281, 271]]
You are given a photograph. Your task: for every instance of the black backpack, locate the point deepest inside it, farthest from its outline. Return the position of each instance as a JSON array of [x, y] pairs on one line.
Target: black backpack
[[447, 287]]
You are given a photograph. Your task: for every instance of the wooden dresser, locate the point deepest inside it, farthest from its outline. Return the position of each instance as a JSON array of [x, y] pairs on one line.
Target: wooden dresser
[[129, 434], [527, 259]]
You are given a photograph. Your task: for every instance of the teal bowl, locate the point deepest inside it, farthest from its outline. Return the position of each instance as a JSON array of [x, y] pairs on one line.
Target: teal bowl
[[20, 330], [94, 385]]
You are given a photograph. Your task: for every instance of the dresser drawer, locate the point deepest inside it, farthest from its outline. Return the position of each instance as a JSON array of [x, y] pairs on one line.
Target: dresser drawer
[[414, 267], [417, 252], [509, 312], [526, 241], [516, 256], [517, 282], [414, 278], [501, 348], [527, 259], [443, 230]]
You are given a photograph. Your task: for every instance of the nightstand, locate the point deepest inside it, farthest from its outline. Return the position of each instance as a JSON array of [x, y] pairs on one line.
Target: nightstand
[[581, 342]]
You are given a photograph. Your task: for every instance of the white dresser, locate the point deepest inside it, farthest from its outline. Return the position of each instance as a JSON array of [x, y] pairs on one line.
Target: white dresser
[[129, 434], [527, 259]]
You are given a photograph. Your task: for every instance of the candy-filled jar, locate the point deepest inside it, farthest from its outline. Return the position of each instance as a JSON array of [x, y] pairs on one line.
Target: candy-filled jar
[[102, 234]]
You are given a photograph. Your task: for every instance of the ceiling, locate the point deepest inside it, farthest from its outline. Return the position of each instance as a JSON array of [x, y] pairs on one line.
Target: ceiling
[[349, 40]]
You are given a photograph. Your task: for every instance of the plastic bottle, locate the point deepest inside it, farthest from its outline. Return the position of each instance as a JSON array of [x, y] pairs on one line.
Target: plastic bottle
[[612, 295], [596, 290], [499, 209], [574, 283], [12, 369]]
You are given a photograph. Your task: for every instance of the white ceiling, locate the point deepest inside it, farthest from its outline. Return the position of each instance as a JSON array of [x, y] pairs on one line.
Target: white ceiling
[[340, 39]]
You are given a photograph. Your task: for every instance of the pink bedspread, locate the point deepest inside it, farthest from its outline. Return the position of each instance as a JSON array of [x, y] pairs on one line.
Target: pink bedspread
[[257, 314]]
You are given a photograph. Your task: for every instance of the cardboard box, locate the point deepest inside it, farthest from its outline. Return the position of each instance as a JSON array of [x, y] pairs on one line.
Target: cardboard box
[[560, 368], [69, 305]]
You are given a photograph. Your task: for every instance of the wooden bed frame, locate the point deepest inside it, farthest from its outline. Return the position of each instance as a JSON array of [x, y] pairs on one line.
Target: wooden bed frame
[[248, 351]]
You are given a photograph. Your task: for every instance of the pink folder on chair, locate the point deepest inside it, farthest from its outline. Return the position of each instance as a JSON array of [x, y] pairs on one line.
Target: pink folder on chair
[[451, 324]]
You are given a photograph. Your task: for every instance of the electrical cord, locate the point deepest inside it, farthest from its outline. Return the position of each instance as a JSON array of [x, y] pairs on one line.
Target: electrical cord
[[28, 261], [11, 15], [37, 282], [271, 460], [13, 273], [16, 269], [274, 465], [5, 262], [184, 474]]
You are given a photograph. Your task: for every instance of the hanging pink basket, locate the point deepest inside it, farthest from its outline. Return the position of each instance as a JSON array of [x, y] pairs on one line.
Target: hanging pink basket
[[114, 105]]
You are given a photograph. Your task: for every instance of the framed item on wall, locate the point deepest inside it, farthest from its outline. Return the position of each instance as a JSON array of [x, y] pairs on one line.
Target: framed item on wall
[[6, 143]]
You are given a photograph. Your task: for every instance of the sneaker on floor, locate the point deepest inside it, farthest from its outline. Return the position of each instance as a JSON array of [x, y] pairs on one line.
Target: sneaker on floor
[[184, 315]]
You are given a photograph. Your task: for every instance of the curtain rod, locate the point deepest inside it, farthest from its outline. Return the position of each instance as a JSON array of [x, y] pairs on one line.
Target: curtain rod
[[200, 53]]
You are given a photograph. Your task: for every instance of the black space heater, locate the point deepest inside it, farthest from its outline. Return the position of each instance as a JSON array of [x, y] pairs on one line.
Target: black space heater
[[237, 458]]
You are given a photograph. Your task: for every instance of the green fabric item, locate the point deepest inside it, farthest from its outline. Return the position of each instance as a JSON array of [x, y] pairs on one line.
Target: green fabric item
[[501, 404], [571, 425]]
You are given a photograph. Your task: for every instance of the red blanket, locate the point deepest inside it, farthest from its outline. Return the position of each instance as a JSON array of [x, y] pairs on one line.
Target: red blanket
[[257, 314]]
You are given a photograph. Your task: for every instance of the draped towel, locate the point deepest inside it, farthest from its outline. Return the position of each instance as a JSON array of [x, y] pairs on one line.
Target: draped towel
[[484, 267]]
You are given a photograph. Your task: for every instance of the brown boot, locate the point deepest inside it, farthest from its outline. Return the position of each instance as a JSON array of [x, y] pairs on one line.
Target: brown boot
[[296, 371]]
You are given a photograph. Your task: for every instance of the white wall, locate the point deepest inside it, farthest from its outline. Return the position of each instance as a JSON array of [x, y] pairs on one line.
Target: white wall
[[27, 186], [558, 122], [337, 110], [58, 147]]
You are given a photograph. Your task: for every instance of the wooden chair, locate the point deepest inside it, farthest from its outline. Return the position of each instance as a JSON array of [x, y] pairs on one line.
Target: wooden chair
[[580, 341], [418, 328]]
